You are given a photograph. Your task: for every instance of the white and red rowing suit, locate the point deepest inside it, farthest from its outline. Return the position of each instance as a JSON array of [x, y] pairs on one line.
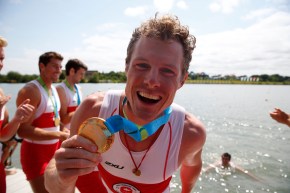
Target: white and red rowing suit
[[2, 115], [72, 99], [35, 154], [2, 171], [157, 167]]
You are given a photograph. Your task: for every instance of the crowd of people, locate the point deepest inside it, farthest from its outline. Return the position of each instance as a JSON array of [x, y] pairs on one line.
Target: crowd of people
[[55, 158]]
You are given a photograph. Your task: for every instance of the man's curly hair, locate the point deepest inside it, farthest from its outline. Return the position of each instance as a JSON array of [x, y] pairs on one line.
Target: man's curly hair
[[166, 27]]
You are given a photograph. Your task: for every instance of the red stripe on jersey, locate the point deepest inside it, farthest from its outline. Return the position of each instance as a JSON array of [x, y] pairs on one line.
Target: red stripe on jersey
[[114, 182], [44, 121], [71, 109]]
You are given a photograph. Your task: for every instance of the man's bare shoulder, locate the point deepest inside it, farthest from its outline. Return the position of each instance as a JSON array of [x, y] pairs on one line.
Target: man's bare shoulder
[[194, 133], [28, 88], [193, 139], [194, 128], [93, 102], [29, 91], [59, 87], [60, 90], [90, 107]]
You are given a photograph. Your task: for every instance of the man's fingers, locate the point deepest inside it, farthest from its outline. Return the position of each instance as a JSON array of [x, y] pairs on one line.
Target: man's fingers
[[26, 101], [71, 173], [78, 141]]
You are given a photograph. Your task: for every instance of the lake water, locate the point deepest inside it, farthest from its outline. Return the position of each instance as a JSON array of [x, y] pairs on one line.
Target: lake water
[[237, 121]]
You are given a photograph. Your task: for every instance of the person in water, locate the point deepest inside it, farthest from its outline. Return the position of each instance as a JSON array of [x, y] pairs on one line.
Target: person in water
[[225, 167]]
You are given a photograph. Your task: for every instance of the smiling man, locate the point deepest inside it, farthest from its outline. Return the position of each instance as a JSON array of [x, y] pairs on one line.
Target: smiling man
[[153, 137], [41, 133]]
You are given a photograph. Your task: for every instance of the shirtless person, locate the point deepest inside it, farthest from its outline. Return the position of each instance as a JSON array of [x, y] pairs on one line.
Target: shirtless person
[[226, 167]]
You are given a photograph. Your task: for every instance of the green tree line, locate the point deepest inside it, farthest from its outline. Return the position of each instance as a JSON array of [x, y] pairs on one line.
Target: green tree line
[[120, 77], [91, 77]]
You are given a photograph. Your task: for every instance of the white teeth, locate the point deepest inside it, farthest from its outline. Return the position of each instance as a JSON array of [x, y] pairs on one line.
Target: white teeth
[[149, 96]]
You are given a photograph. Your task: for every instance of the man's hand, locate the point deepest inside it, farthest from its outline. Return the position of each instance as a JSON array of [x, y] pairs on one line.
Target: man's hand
[[280, 116], [77, 156]]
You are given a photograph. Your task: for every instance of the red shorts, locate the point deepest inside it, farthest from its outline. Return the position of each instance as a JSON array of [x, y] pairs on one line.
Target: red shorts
[[91, 183], [2, 179], [35, 157]]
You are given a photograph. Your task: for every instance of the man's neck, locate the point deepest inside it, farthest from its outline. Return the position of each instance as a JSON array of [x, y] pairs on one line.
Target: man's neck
[[70, 83], [46, 81]]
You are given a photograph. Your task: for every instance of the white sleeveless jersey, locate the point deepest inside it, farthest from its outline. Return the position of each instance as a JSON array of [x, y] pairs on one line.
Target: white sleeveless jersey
[[161, 160]]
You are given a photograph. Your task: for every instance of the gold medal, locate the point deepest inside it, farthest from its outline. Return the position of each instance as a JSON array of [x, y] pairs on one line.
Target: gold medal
[[95, 130], [136, 171], [56, 121]]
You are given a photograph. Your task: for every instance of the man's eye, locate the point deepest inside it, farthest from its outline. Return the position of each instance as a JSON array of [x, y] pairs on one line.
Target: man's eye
[[167, 71], [142, 66]]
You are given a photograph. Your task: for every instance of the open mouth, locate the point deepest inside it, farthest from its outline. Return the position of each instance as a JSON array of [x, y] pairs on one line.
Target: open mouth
[[147, 98]]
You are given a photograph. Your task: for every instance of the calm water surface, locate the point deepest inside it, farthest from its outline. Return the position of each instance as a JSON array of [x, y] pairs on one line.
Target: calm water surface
[[237, 121]]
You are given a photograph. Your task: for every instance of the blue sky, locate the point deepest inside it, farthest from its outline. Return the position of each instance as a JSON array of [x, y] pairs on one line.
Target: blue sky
[[241, 37]]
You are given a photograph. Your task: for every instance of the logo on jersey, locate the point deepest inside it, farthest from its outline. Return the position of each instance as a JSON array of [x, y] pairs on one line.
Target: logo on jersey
[[125, 188], [114, 165]]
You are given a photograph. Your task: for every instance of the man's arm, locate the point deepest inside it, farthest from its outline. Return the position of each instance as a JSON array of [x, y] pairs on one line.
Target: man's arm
[[280, 116], [193, 139], [26, 130], [189, 173], [239, 168], [9, 128], [64, 115], [211, 166], [77, 155]]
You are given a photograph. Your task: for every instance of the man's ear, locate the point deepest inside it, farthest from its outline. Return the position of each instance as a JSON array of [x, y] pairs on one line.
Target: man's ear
[[72, 71], [126, 68], [41, 67], [184, 78]]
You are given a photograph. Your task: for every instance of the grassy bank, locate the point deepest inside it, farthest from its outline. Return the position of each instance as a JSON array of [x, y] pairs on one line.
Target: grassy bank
[[235, 82]]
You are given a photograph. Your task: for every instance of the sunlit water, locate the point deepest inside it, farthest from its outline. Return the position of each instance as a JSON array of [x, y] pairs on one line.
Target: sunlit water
[[237, 121]]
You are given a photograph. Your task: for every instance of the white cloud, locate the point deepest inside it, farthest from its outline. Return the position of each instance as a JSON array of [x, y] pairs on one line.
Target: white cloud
[[135, 11], [215, 7], [224, 6], [258, 14], [182, 4], [104, 51], [260, 48], [163, 5]]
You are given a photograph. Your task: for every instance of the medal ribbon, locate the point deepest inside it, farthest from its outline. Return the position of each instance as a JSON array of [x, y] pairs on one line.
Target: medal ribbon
[[76, 88], [137, 132], [39, 79]]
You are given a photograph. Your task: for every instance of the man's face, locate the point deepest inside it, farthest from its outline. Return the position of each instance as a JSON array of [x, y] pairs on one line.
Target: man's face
[[225, 160], [78, 75], [2, 56], [52, 70], [154, 74]]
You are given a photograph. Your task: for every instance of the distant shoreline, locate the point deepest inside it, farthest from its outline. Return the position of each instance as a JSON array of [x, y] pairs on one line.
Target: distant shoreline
[[235, 82], [190, 82]]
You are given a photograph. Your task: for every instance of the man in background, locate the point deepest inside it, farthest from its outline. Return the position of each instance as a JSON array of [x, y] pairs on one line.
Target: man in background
[[226, 167], [69, 91], [70, 95], [41, 133]]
